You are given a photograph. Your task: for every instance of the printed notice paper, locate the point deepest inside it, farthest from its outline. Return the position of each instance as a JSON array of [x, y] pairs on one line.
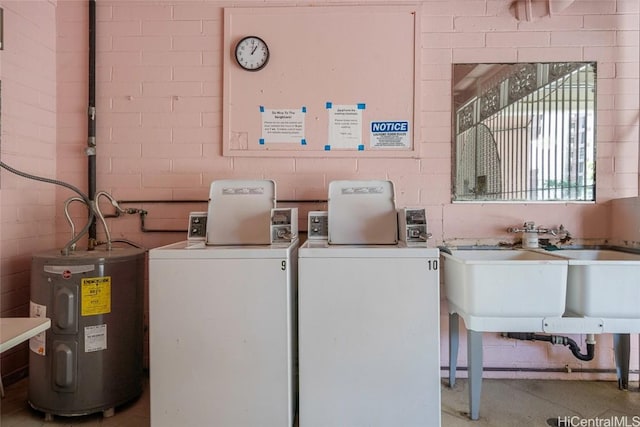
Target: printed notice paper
[[282, 125], [345, 126]]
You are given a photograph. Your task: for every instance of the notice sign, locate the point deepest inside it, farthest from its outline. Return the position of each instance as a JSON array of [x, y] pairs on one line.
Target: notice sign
[[96, 295], [390, 135], [282, 125]]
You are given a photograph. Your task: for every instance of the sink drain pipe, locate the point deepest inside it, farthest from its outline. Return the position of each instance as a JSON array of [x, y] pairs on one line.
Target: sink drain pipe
[[557, 339]]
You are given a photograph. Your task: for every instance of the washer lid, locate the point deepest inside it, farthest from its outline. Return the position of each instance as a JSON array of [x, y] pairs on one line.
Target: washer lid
[[240, 212], [362, 213]]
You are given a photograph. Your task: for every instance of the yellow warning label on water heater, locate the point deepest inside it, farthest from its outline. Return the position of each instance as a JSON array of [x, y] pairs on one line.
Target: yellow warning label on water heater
[[96, 295]]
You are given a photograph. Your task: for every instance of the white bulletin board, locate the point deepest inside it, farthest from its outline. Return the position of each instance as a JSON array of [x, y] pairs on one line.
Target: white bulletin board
[[340, 81]]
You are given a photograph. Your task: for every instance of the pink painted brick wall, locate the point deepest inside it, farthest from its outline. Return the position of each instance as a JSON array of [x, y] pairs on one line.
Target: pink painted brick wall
[[462, 31], [27, 219], [160, 115]]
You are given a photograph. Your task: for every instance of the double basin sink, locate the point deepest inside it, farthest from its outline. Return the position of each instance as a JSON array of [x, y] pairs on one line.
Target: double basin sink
[[507, 283]]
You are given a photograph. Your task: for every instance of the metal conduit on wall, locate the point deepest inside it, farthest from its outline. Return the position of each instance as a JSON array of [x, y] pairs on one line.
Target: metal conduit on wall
[[91, 128], [143, 213]]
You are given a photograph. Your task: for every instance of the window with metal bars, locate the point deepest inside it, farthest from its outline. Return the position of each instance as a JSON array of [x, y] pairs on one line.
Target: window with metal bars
[[525, 132]]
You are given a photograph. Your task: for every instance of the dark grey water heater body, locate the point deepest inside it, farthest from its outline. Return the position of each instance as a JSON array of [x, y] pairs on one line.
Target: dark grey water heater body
[[91, 358]]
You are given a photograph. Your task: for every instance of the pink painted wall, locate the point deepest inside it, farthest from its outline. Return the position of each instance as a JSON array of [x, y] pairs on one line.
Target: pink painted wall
[[160, 100], [160, 122], [27, 213]]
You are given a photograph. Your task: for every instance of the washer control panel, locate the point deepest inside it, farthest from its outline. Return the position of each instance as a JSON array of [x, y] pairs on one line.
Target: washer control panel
[[197, 226], [284, 225], [412, 226], [318, 225]]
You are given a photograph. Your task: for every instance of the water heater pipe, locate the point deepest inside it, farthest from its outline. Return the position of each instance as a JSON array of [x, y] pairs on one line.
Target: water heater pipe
[[91, 128], [71, 244]]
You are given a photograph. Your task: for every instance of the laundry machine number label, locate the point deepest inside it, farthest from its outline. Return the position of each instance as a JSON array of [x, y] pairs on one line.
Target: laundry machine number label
[[283, 265], [433, 264]]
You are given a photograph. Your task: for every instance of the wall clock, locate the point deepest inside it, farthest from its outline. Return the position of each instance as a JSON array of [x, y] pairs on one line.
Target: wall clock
[[252, 53]]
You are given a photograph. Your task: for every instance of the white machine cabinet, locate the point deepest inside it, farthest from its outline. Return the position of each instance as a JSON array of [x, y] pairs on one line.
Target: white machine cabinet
[[369, 335], [222, 335]]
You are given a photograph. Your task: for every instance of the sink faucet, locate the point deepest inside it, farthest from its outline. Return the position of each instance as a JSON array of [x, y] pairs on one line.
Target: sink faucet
[[530, 233]]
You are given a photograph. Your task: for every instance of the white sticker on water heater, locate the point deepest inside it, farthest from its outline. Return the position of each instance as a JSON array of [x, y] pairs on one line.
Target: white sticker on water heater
[[37, 343], [95, 338]]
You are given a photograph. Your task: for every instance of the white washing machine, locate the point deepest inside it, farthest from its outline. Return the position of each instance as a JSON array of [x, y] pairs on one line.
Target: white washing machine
[[369, 315], [222, 326], [222, 335]]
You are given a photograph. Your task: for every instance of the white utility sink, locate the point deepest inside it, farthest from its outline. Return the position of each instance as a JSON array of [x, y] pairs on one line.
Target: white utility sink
[[505, 282], [603, 283]]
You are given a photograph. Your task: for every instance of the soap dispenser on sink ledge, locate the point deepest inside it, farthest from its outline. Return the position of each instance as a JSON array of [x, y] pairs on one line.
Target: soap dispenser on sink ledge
[[530, 233]]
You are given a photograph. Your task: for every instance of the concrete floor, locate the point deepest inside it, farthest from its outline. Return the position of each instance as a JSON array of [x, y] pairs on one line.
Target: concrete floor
[[505, 402]]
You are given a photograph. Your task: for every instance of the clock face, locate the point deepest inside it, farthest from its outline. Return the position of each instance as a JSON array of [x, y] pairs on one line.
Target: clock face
[[252, 53]]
